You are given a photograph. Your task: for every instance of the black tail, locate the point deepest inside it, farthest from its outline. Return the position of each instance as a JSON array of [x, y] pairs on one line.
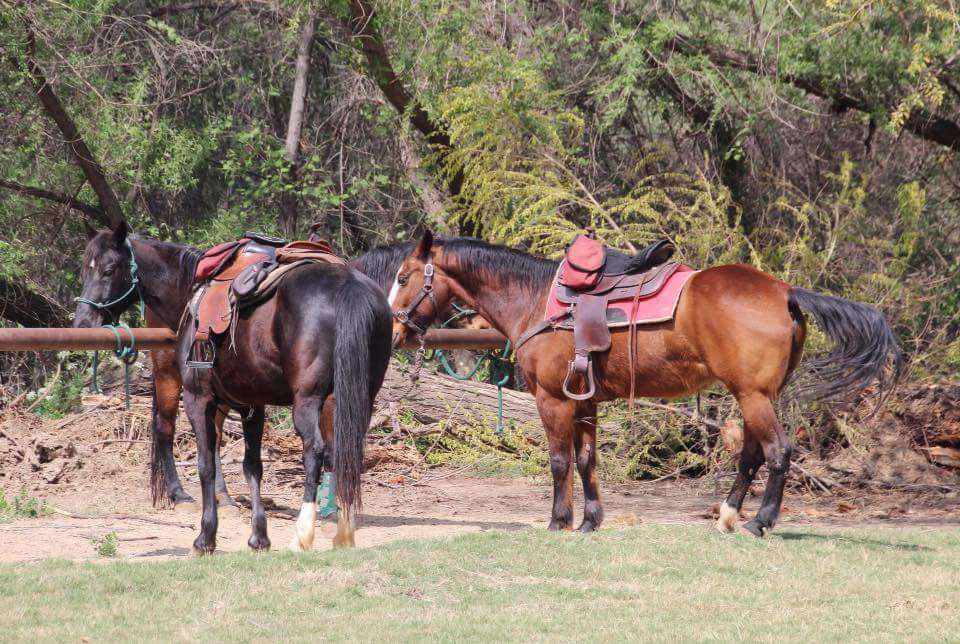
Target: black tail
[[362, 352], [866, 349], [158, 479]]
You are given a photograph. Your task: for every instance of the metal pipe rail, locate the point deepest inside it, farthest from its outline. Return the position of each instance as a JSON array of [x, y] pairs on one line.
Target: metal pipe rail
[[98, 339]]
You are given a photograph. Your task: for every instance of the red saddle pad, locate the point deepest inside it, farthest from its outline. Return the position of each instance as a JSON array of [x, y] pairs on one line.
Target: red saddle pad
[[215, 258], [658, 307]]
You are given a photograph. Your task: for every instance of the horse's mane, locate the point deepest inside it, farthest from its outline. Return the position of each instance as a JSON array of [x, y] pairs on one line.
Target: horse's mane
[[477, 257], [186, 257], [380, 264]]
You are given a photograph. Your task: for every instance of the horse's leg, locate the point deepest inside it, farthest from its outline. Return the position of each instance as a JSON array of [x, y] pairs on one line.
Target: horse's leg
[[585, 444], [306, 420], [326, 431], [557, 416], [164, 479], [253, 471], [201, 409], [223, 497], [751, 458], [760, 419]]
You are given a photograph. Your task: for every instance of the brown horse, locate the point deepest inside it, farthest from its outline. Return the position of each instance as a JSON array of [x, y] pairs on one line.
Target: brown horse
[[733, 324]]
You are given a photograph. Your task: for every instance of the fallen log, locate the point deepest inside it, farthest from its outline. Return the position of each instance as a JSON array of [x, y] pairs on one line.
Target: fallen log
[[436, 398]]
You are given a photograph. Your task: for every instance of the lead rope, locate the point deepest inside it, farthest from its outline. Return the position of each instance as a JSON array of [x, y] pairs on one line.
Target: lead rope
[[126, 354], [495, 362]]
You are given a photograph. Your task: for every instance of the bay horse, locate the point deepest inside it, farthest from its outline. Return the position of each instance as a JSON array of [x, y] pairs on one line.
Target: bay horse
[[163, 273], [733, 324], [162, 276]]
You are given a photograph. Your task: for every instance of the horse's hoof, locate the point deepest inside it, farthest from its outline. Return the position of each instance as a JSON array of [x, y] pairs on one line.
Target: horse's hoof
[[201, 550], [557, 525], [204, 546], [225, 499], [587, 526], [180, 496], [296, 545], [727, 521], [755, 528], [340, 541], [258, 543]]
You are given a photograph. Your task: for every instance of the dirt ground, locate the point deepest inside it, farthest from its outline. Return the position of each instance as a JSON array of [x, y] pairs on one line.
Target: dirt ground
[[91, 469]]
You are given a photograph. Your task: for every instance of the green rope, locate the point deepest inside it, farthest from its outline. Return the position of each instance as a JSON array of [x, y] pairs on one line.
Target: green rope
[[127, 354], [495, 361]]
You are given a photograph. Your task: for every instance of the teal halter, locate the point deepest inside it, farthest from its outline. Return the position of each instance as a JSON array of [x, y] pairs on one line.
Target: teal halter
[[126, 354], [134, 286]]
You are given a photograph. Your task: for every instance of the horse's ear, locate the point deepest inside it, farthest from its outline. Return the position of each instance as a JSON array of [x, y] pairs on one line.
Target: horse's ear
[[120, 232], [425, 245], [90, 231]]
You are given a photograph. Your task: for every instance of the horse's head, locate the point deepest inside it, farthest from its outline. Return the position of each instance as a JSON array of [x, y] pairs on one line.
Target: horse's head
[[109, 278], [421, 290]]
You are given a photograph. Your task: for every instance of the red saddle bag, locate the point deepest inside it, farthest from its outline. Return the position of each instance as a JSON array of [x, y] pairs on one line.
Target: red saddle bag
[[583, 264], [216, 258]]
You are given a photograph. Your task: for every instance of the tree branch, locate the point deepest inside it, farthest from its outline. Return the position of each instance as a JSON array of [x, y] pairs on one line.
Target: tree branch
[[110, 213], [378, 65], [82, 206], [920, 122], [21, 305]]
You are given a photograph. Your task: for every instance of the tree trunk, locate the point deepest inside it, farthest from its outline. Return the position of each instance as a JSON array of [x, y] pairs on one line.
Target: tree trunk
[[112, 213], [20, 305], [362, 26], [291, 202]]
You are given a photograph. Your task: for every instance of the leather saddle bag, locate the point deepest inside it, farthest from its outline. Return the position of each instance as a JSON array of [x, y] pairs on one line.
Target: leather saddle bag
[[583, 264]]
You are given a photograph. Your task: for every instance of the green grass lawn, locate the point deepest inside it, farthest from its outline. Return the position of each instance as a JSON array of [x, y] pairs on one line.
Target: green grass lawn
[[653, 582]]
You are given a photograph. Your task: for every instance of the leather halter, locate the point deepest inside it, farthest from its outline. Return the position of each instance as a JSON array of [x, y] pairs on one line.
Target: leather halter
[[403, 316]]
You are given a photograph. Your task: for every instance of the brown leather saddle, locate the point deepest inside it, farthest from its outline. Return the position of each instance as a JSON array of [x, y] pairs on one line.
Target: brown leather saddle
[[233, 275], [592, 276]]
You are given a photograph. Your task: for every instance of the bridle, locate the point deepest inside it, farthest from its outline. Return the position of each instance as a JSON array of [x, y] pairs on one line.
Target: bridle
[[403, 316], [134, 287]]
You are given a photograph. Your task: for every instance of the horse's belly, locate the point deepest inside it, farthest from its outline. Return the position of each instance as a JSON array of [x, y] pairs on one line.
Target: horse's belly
[[666, 364]]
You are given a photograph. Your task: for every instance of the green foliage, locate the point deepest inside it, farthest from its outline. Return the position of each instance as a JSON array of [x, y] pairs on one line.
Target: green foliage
[[22, 506], [61, 394], [106, 545], [484, 450]]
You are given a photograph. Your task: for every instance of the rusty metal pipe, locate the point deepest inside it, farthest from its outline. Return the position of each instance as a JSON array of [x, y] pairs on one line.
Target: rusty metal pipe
[[69, 339]]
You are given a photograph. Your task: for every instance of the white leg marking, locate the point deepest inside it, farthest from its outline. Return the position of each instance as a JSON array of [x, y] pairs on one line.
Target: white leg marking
[[395, 288], [728, 518], [306, 523]]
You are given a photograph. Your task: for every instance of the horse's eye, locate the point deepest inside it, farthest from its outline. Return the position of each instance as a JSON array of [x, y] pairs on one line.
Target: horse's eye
[[402, 279], [107, 272]]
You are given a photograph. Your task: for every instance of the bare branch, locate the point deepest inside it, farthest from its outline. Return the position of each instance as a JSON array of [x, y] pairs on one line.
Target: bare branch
[[82, 206]]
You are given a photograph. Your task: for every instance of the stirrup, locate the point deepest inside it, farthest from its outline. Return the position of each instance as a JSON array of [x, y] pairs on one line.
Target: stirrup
[[591, 386], [206, 351]]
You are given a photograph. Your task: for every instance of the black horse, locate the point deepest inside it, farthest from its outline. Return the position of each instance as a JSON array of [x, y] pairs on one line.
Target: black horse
[[326, 331], [162, 274]]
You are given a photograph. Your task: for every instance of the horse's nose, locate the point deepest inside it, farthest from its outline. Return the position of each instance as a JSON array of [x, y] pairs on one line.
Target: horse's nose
[[399, 335]]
